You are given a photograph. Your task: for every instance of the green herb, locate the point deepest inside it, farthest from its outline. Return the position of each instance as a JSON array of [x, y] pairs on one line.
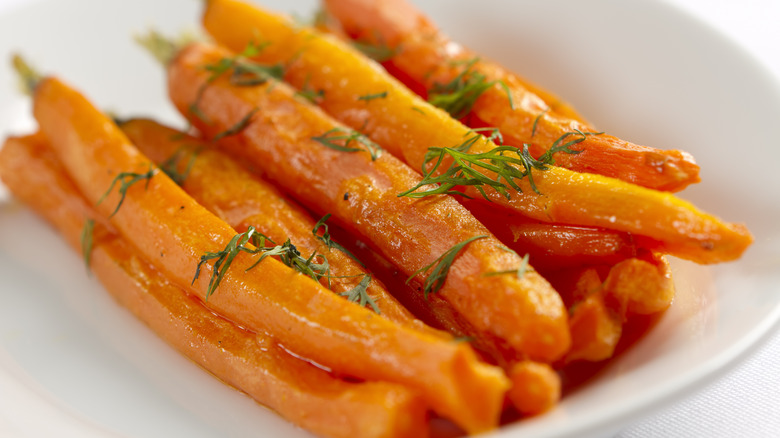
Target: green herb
[[87, 241], [308, 93], [379, 51], [28, 76], [440, 267], [520, 271], [171, 166], [341, 138], [458, 96], [419, 110], [508, 163], [369, 97], [536, 121], [238, 127], [325, 238], [359, 294], [126, 180], [287, 253]]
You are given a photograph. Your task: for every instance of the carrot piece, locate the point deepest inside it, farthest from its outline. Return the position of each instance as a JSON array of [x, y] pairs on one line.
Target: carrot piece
[[406, 127], [595, 330], [536, 387], [171, 231], [641, 285], [251, 362], [233, 194], [430, 59], [360, 190]]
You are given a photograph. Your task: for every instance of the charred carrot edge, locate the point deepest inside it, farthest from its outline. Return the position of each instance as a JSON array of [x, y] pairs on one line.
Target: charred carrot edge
[[241, 199], [429, 58], [171, 231], [360, 190], [251, 362], [406, 126]]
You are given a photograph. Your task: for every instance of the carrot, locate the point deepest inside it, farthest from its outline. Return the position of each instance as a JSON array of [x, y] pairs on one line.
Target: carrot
[[228, 190], [359, 187], [251, 362], [406, 127], [171, 231], [536, 387], [431, 60], [641, 285]]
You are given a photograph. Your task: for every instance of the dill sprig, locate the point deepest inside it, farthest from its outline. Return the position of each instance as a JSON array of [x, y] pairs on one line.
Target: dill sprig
[[236, 129], [325, 238], [458, 96], [287, 253], [499, 168], [359, 294], [126, 180], [340, 139], [377, 50], [370, 97], [87, 240], [309, 93], [439, 268], [521, 269], [536, 121], [171, 166]]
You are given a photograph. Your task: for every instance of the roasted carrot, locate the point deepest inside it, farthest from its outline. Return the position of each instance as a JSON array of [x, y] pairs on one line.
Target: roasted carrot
[[363, 96], [536, 387], [432, 61], [641, 285], [171, 231], [252, 362], [294, 388], [359, 186], [241, 199]]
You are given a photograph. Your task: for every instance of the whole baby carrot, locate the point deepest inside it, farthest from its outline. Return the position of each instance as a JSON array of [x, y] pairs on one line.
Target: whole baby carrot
[[485, 94], [252, 362], [332, 169], [241, 199], [175, 234], [358, 93]]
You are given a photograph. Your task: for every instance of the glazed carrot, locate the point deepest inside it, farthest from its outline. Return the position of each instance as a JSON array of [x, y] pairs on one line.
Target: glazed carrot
[[641, 285], [233, 194], [252, 362], [431, 60], [171, 231], [595, 329], [359, 187], [555, 246], [536, 387], [406, 126]]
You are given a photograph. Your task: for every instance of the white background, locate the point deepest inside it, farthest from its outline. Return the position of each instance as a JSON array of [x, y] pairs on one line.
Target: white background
[[746, 401]]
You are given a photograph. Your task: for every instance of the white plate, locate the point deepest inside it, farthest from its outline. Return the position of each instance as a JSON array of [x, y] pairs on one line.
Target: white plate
[[73, 363]]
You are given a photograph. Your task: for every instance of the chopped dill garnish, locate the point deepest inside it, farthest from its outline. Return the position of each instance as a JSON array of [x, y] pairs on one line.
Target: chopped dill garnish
[[458, 96], [287, 253], [310, 94], [499, 168], [521, 269], [238, 127], [87, 234], [171, 166], [440, 267], [370, 97], [379, 51], [536, 121], [126, 180], [340, 139], [359, 294], [325, 238]]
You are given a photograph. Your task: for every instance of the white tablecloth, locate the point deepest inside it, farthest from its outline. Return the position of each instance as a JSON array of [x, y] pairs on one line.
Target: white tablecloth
[[745, 402]]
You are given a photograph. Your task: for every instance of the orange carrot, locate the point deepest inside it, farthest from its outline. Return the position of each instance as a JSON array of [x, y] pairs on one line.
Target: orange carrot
[[406, 127], [171, 231], [536, 387], [228, 190], [251, 362], [359, 187], [431, 60], [641, 285]]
